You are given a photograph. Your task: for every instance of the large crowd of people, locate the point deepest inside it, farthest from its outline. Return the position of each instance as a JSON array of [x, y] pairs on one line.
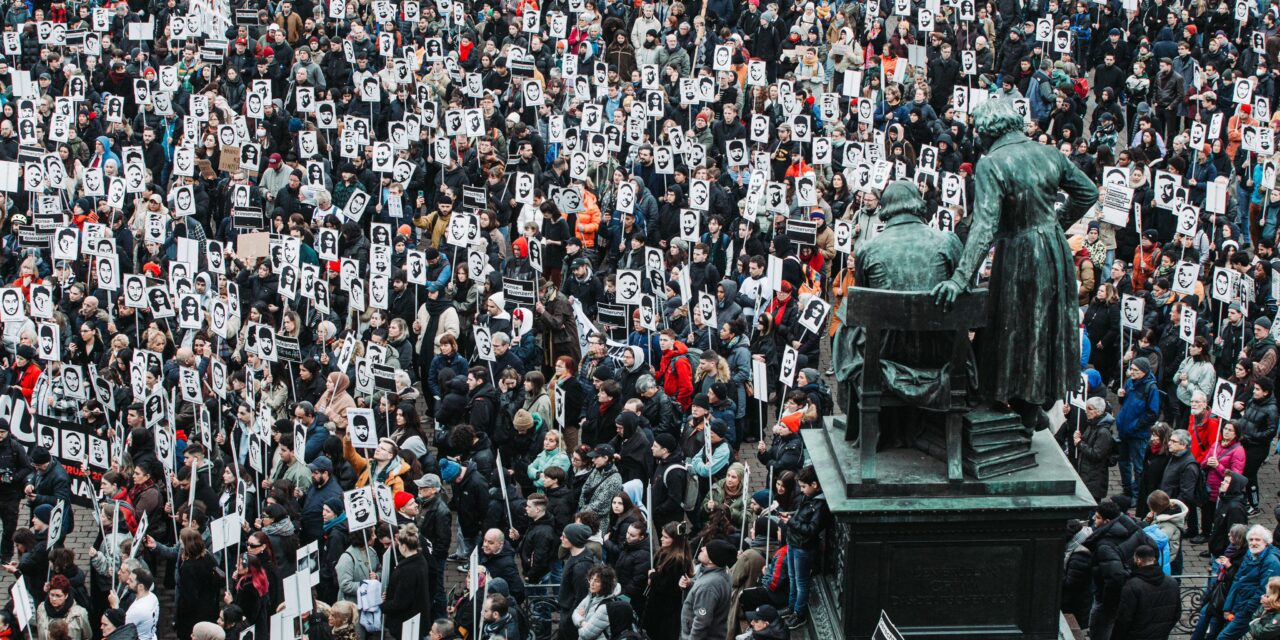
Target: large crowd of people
[[313, 304]]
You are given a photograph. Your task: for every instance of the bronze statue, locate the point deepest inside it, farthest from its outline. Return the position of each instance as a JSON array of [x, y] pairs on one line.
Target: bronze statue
[[1029, 353]]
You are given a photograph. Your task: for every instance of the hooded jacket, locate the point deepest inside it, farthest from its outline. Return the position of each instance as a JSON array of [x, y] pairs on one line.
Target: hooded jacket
[[1231, 510], [727, 310]]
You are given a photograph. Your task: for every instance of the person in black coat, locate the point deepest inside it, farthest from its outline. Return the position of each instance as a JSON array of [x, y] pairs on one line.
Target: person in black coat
[[1150, 602], [669, 480], [1115, 537], [539, 544], [15, 469], [470, 500], [632, 563], [409, 587], [1231, 511], [500, 560], [562, 501], [50, 485], [633, 447]]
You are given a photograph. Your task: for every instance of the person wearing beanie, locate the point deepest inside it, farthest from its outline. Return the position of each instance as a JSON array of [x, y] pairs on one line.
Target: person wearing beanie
[[786, 452], [114, 626], [706, 603], [1139, 410], [48, 485], [470, 500], [580, 560], [1262, 349], [24, 372]]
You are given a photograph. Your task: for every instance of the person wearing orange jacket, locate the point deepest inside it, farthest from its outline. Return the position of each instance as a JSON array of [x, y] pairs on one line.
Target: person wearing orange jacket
[[1145, 259], [588, 220], [25, 372]]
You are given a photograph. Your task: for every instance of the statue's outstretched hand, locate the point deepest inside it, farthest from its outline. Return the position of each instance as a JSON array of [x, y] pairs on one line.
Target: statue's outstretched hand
[[945, 293]]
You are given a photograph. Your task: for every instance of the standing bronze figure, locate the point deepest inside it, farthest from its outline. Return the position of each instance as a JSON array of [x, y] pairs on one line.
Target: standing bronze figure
[[1029, 353]]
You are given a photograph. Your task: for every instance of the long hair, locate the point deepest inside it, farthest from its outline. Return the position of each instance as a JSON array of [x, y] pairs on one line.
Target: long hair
[[192, 544], [676, 556]]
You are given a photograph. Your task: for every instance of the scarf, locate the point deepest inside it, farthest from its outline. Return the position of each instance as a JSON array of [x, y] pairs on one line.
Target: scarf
[[435, 309], [57, 613], [284, 528], [342, 517]]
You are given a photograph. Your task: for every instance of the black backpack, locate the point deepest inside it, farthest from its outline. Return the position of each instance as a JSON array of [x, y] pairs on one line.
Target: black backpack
[[622, 621]]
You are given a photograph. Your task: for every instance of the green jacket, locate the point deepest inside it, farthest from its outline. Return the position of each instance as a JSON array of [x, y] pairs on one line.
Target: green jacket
[[1265, 624]]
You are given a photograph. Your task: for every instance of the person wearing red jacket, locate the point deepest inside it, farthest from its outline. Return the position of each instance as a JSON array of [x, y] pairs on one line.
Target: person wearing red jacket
[[25, 371], [1203, 427], [675, 373]]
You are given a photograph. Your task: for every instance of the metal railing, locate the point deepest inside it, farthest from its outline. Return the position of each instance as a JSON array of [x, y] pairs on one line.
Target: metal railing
[[1191, 588]]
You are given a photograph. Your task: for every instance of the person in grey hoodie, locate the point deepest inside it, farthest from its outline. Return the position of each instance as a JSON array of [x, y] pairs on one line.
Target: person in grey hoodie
[[707, 604], [727, 308]]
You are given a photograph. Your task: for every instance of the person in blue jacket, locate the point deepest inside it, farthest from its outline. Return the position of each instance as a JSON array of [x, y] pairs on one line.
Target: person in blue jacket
[[1259, 564], [1139, 409]]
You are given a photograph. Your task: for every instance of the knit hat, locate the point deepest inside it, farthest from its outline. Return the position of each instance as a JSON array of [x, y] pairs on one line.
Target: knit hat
[[43, 512], [335, 504], [116, 616], [1142, 364], [722, 553], [966, 167], [523, 420], [449, 470], [666, 441], [402, 498], [701, 400], [577, 534], [40, 455], [1263, 321]]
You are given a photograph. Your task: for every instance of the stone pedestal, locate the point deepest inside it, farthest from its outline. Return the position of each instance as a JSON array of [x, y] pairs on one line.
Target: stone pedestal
[[975, 559]]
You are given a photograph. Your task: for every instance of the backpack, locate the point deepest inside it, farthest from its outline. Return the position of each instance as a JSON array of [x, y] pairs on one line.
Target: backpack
[[622, 621], [690, 500], [1202, 487], [1081, 87], [1162, 545], [826, 405]]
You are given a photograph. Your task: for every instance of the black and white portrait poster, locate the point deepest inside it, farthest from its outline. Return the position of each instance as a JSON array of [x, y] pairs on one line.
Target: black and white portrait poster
[[360, 508], [1131, 312], [1224, 395], [484, 343], [11, 304], [629, 286], [1185, 276], [787, 373], [361, 428], [1224, 284], [49, 341], [42, 302], [811, 317], [74, 382]]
